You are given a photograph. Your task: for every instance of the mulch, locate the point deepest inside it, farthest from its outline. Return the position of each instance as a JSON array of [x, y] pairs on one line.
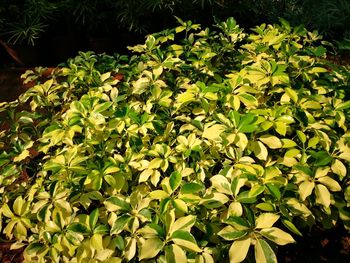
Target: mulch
[[10, 256]]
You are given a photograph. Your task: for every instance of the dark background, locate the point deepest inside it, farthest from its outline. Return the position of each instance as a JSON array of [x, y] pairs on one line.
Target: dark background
[[47, 32]]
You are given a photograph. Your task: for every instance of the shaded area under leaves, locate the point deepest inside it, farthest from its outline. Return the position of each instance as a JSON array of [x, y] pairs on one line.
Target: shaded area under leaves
[[318, 245]]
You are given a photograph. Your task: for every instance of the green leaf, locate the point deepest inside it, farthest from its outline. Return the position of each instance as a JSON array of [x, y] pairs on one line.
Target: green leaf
[[236, 184], [287, 143], [120, 223], [93, 218], [150, 248], [78, 228], [176, 254], [301, 136], [247, 198], [264, 253], [180, 205], [277, 235], [214, 200], [116, 203], [343, 106], [256, 190], [291, 227], [247, 123], [175, 180], [322, 158], [164, 205], [102, 107], [33, 248], [185, 240], [239, 250], [248, 100], [230, 233], [191, 188], [101, 229], [274, 190], [238, 223]]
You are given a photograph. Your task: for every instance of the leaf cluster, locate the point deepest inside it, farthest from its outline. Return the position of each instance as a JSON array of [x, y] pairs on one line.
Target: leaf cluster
[[205, 146]]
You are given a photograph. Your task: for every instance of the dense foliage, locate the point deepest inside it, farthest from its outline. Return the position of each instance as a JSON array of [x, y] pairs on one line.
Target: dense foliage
[[205, 146]]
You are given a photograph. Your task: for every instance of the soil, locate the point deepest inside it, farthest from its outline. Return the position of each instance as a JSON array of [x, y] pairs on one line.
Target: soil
[[318, 245], [11, 84], [10, 256]]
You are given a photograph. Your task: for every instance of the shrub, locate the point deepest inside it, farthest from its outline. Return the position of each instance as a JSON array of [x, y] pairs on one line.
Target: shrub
[[205, 146]]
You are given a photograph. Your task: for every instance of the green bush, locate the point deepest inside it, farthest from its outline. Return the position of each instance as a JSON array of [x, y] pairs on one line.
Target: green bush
[[205, 146]]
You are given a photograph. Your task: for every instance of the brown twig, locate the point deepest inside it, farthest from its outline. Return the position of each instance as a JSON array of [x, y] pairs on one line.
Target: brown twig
[[11, 52]]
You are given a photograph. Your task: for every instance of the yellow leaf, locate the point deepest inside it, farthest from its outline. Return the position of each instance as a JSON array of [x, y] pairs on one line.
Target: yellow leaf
[[145, 175], [271, 141], [305, 189], [140, 85], [18, 205], [221, 184], [180, 205], [239, 250], [150, 248], [235, 209], [264, 253], [345, 156], [260, 150], [24, 154], [339, 168], [130, 249], [105, 76], [183, 223], [241, 141], [266, 220], [96, 241], [292, 94], [6, 211], [331, 184], [277, 235], [186, 244], [323, 197], [158, 194], [213, 132], [155, 163], [177, 254], [158, 71], [281, 127], [317, 70]]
